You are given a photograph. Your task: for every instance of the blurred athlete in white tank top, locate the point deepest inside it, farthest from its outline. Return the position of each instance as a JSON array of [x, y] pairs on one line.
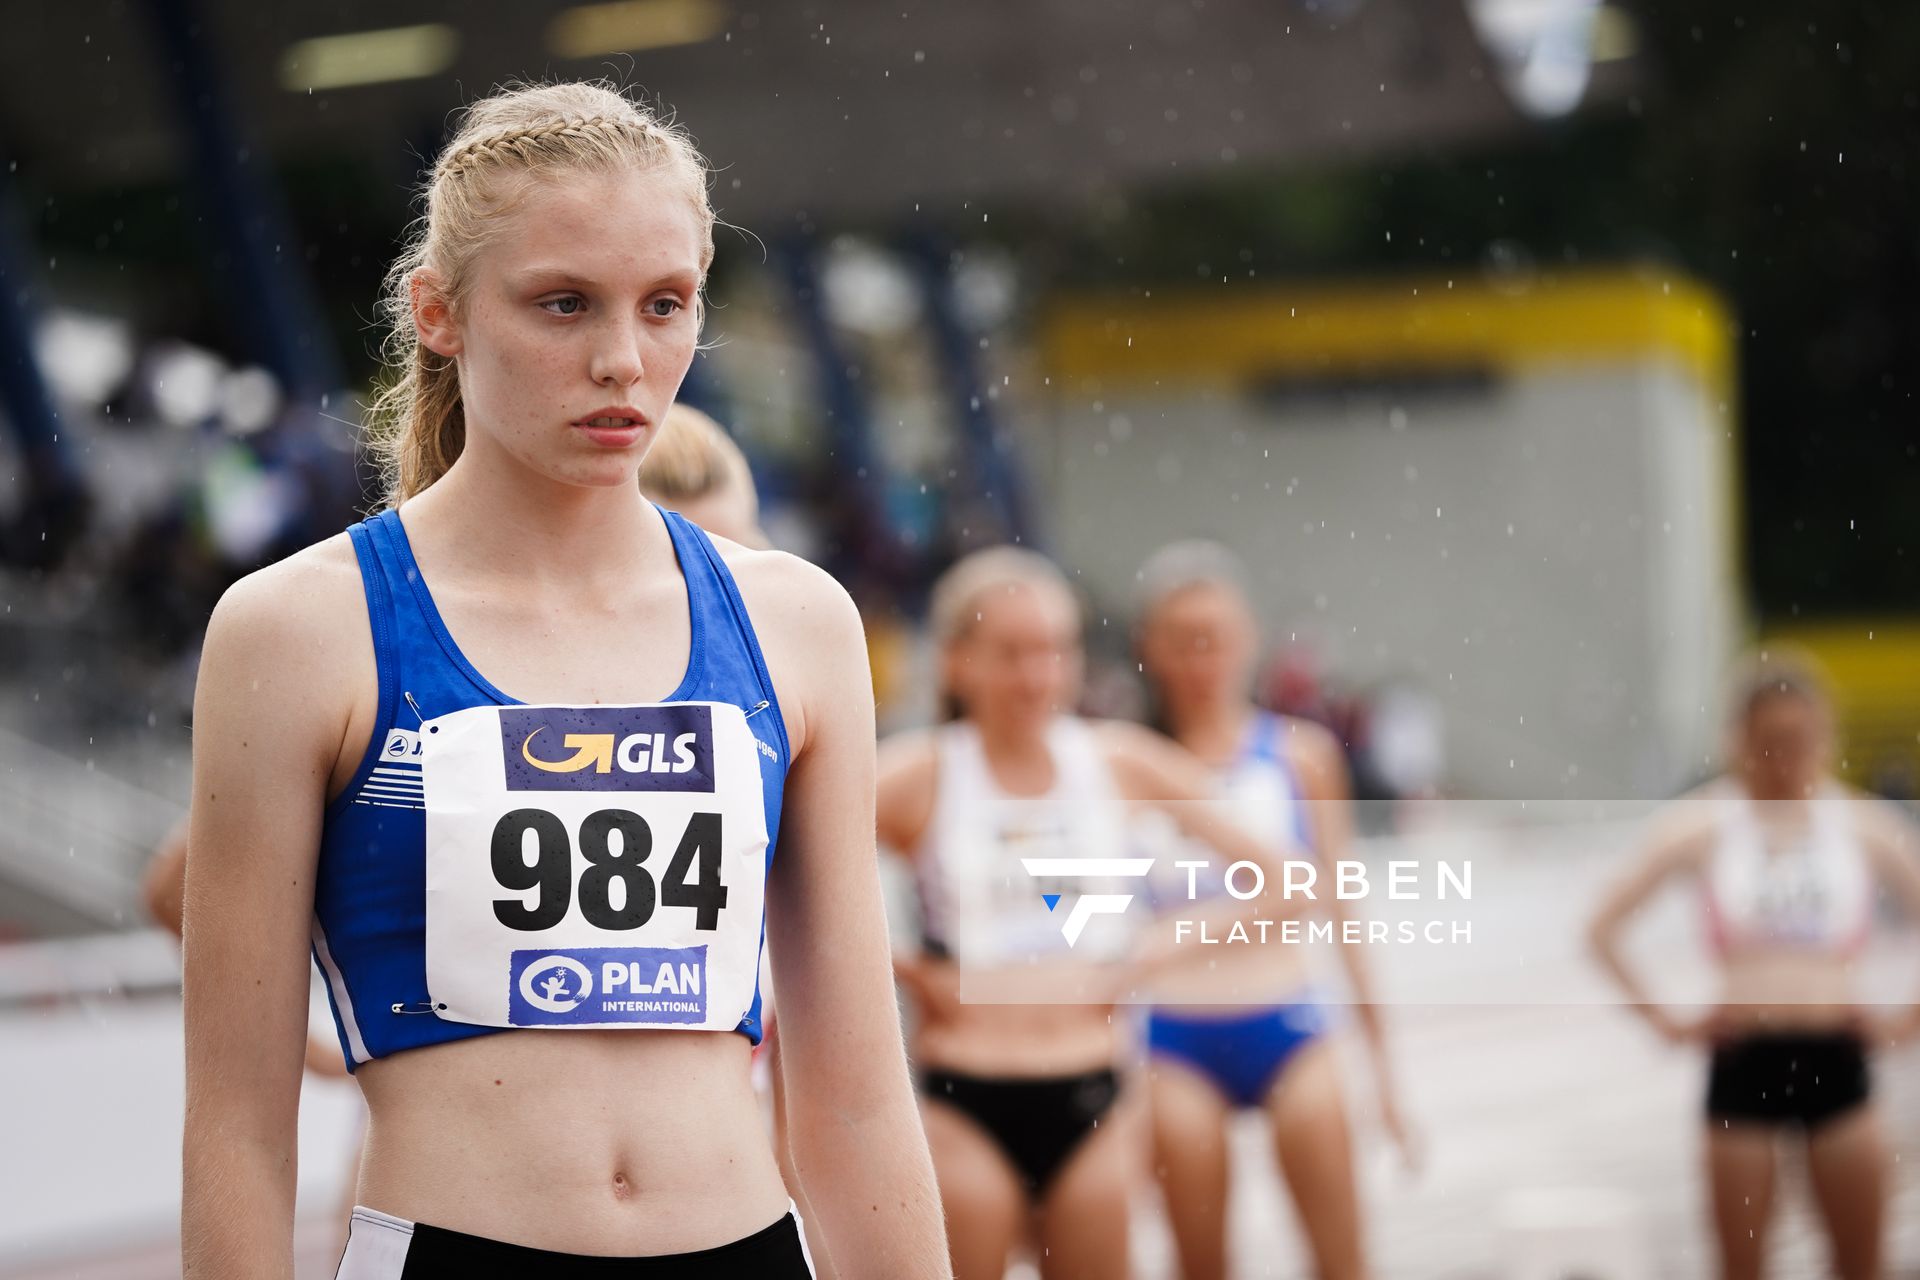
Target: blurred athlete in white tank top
[[1788, 862], [1035, 1136]]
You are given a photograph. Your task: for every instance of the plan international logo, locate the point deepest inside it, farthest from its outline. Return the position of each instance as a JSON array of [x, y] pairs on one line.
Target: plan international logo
[[607, 748], [1087, 905], [598, 985]]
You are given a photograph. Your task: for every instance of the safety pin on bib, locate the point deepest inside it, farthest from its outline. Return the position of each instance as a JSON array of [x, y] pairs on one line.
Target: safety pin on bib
[[427, 1006], [758, 707]]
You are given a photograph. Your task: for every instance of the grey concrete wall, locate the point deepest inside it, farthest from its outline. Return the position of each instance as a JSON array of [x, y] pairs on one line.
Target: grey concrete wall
[[1548, 555]]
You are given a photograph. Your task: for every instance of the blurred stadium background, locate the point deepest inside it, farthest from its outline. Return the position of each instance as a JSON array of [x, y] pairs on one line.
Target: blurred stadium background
[[1538, 354]]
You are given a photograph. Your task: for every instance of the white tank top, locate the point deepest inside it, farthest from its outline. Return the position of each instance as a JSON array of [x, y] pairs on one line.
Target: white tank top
[[1808, 887], [978, 901]]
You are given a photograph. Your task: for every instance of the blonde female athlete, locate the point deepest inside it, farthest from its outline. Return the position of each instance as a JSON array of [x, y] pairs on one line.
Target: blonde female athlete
[[1789, 864], [1032, 1132], [585, 861], [1256, 1036]]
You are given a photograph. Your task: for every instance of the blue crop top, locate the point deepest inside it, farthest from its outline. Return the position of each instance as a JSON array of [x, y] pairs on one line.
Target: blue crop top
[[369, 910]]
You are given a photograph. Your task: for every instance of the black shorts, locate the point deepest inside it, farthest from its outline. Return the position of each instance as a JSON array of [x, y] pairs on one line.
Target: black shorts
[[1038, 1123], [1780, 1079], [383, 1247]]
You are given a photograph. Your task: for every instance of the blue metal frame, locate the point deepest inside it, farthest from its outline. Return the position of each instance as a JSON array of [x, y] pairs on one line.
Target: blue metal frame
[[988, 458], [279, 317], [54, 500], [854, 475]]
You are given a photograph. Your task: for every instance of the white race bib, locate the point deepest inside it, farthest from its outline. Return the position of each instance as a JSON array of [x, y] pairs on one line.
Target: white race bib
[[594, 866]]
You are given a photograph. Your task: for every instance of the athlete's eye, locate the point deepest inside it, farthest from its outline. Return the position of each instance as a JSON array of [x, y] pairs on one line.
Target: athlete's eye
[[564, 306], [665, 306]]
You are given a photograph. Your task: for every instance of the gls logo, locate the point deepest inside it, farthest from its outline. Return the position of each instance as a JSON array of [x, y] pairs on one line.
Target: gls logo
[[1087, 905], [667, 748], [639, 753]]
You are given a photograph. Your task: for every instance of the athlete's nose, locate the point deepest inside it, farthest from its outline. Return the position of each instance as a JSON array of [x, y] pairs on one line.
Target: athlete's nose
[[616, 360]]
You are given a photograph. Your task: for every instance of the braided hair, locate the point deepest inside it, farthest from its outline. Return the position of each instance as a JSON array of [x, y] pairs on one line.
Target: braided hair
[[416, 423]]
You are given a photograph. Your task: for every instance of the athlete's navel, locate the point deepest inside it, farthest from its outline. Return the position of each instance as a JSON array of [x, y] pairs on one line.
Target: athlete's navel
[[621, 1187]]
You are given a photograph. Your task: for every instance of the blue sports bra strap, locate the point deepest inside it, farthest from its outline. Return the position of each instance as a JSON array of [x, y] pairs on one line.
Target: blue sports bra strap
[[396, 566], [378, 588], [1265, 744], [716, 594]]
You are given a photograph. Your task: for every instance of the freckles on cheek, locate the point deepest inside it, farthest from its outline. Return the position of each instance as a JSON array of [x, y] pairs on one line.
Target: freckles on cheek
[[523, 370]]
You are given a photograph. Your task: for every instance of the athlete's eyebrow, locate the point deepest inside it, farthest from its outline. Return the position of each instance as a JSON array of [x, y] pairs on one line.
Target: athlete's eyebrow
[[530, 277], [553, 276]]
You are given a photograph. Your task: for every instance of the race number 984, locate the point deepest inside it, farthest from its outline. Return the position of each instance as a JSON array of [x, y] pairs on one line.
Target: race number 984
[[615, 844]]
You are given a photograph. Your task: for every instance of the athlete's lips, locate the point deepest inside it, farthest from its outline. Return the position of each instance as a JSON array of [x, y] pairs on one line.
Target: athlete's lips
[[612, 417]]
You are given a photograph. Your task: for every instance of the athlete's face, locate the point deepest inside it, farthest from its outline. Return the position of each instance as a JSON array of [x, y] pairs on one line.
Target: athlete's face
[[1018, 665], [581, 309], [1197, 646], [1784, 749]]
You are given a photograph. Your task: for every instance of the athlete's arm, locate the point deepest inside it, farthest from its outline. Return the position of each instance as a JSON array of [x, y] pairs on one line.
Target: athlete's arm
[[1677, 844], [1154, 770], [163, 890], [907, 776], [1321, 766], [856, 1134], [269, 716], [163, 886], [1151, 769], [1893, 851], [906, 773]]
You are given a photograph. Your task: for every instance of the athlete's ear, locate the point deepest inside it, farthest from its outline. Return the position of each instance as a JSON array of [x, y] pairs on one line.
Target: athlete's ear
[[433, 315]]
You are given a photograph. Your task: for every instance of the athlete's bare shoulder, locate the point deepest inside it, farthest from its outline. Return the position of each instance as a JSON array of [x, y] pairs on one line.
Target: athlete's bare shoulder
[[1888, 827], [1127, 743], [290, 645], [808, 629], [1683, 832], [314, 592], [788, 587], [1147, 764], [1126, 737], [1307, 738], [1310, 744], [312, 595], [307, 611]]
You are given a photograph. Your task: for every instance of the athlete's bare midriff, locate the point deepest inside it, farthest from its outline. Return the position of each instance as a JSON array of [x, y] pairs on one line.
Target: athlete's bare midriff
[[593, 1142], [1778, 989], [1026, 1041]]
